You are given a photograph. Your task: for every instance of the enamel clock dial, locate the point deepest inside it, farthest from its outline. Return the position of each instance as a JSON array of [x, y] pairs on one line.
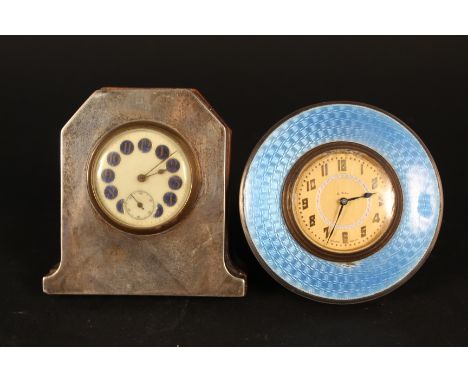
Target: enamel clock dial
[[342, 201], [141, 177]]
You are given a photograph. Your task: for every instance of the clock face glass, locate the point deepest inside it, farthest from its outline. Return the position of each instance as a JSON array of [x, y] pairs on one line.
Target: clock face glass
[[141, 177], [344, 201]]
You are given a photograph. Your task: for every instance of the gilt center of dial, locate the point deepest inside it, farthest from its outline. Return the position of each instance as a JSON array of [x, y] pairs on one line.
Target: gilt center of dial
[[141, 177], [328, 195]]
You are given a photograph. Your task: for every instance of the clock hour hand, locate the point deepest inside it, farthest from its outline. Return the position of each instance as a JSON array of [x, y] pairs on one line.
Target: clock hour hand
[[365, 195], [142, 177]]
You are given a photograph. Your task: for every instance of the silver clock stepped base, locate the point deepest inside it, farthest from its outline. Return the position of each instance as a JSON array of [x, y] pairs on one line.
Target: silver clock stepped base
[[189, 258]]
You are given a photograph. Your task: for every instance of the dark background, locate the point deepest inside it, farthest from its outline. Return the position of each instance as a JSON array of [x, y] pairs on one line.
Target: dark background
[[252, 82]]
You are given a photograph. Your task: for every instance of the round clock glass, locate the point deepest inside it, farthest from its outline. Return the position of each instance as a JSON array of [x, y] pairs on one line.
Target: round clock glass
[[341, 202], [141, 177]]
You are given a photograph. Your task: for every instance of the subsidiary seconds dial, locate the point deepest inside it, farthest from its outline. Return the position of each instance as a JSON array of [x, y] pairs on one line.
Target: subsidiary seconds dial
[[141, 208]]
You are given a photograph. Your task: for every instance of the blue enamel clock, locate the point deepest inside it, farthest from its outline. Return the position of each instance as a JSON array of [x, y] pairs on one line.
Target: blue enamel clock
[[341, 202]]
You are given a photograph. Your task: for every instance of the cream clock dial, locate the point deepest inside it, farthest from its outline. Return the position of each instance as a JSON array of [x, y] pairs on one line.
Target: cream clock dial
[[141, 177], [342, 201]]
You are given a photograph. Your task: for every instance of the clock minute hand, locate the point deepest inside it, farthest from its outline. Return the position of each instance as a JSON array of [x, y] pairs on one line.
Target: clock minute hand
[[343, 202]]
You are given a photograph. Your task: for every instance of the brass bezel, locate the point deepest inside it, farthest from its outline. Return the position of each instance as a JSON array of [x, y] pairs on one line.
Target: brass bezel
[[297, 233], [192, 161]]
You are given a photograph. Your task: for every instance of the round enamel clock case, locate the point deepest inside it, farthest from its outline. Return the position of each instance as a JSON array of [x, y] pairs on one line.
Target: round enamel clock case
[[341, 202]]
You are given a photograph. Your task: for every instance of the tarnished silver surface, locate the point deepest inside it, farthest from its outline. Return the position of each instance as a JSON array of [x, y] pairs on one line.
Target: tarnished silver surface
[[188, 259]]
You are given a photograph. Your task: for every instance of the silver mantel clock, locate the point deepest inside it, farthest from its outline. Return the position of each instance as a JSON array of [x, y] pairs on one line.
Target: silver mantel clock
[[144, 175]]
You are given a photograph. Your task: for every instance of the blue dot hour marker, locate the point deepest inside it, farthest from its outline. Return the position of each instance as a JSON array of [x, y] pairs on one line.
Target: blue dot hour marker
[[144, 145], [162, 151], [113, 158], [107, 175], [172, 165], [126, 147], [175, 182], [170, 198], [159, 211], [119, 206], [111, 192]]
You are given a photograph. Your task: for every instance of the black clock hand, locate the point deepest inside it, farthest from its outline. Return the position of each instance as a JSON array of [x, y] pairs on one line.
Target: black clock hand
[[365, 195], [343, 202], [139, 204]]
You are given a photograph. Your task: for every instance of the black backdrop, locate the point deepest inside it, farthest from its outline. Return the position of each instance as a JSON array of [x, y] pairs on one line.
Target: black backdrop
[[252, 82]]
